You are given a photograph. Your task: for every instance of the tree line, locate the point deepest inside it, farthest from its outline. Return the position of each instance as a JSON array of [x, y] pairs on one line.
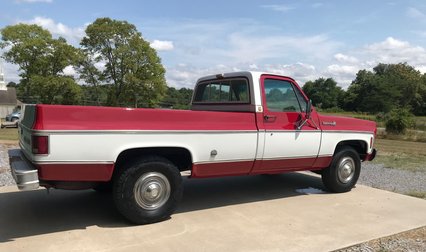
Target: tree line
[[387, 87], [114, 64]]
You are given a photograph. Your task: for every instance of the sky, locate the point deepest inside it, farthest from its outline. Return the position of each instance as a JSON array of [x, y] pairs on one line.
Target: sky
[[302, 39]]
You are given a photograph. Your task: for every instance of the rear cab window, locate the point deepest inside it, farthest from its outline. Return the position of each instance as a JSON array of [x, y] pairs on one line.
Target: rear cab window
[[228, 91]]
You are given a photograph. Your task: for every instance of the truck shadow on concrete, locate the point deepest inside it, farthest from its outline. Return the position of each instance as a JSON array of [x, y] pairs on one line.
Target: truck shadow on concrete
[[29, 213]]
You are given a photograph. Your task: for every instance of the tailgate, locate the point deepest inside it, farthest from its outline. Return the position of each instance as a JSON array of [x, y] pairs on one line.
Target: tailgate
[[25, 127]]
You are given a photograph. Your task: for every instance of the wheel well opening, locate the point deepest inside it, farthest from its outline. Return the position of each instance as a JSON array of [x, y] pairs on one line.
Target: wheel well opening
[[358, 145], [180, 157]]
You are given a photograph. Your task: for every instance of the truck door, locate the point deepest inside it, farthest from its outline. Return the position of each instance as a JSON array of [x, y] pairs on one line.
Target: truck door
[[286, 147]]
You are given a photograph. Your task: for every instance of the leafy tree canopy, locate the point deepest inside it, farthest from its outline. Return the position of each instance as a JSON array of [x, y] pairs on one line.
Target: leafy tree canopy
[[324, 93], [387, 87], [131, 65], [39, 57]]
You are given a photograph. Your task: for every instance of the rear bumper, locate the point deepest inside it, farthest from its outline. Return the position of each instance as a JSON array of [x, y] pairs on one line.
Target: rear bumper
[[24, 172]]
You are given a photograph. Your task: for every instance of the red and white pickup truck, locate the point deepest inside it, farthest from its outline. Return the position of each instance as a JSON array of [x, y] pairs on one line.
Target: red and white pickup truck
[[240, 123]]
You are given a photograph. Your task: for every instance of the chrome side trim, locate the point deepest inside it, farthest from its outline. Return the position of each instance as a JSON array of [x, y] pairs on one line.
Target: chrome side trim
[[294, 157], [348, 131], [293, 131], [224, 161], [267, 159]]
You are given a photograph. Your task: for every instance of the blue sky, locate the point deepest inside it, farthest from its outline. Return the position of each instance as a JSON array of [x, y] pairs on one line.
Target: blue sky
[[303, 39]]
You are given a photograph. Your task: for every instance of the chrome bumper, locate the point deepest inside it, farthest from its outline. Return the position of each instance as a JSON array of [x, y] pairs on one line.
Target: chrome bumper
[[24, 173]]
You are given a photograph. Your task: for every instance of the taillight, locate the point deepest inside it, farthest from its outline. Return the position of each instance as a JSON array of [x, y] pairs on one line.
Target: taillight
[[40, 144]]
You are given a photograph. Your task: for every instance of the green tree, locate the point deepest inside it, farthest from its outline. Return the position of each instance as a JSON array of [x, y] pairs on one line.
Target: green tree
[[131, 65], [389, 86], [324, 93], [92, 76], [56, 90], [11, 84], [40, 57], [398, 120], [177, 98]]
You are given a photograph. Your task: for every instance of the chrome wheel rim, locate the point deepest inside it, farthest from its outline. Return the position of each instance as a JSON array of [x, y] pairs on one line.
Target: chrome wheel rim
[[346, 170], [152, 190]]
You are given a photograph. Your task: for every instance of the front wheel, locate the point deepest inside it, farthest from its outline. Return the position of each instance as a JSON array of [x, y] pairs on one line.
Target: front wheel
[[148, 190], [343, 173]]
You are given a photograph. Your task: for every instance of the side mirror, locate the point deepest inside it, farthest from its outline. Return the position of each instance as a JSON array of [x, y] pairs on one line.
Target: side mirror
[[307, 115], [308, 109]]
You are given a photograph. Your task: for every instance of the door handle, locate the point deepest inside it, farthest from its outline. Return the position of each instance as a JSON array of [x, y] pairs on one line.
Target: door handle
[[270, 117]]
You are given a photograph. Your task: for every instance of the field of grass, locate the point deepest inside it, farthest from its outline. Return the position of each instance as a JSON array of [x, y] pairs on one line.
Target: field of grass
[[404, 155], [9, 134]]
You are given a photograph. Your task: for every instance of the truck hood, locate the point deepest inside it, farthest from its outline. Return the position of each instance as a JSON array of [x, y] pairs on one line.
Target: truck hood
[[340, 123]]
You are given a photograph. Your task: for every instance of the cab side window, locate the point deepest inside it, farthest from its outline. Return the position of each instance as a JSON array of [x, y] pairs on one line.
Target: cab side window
[[281, 96]]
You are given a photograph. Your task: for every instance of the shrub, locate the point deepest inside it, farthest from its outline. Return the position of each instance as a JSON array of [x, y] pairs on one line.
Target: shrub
[[398, 120]]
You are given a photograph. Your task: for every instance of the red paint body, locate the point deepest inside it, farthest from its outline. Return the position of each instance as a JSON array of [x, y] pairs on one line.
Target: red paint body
[[59, 117], [75, 172]]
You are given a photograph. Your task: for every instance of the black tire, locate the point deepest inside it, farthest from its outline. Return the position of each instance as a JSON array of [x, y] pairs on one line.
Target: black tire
[[148, 190], [343, 173]]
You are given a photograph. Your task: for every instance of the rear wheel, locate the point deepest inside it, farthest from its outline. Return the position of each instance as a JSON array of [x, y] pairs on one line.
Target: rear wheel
[[148, 190], [343, 173]]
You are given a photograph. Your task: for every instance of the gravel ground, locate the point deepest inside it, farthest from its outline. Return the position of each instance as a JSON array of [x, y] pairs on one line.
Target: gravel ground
[[374, 175], [413, 241], [400, 181], [5, 176]]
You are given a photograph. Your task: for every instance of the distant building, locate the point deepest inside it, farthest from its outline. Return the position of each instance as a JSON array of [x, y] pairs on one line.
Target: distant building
[[8, 101]]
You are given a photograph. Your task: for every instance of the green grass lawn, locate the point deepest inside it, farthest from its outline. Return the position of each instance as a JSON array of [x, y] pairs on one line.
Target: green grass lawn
[[404, 155], [9, 134]]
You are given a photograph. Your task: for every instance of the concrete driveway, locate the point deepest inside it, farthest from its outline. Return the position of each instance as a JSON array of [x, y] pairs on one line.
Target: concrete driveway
[[257, 213]]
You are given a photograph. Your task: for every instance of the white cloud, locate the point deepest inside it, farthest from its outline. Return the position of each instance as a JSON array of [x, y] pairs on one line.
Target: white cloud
[[301, 72], [184, 75], [10, 72], [72, 35], [345, 58], [162, 45], [277, 7], [342, 69], [421, 68], [342, 74], [394, 51], [253, 67], [34, 1], [69, 71]]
